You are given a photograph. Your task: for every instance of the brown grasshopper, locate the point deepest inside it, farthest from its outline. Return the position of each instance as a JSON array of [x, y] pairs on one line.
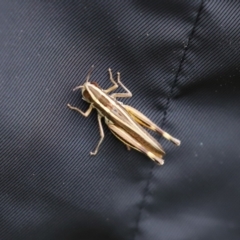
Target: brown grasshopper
[[124, 121]]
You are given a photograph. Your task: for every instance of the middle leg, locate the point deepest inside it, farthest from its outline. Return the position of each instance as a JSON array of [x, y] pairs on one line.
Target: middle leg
[[101, 134]]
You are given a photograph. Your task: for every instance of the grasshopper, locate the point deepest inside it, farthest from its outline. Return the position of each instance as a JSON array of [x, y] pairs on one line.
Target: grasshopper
[[124, 121]]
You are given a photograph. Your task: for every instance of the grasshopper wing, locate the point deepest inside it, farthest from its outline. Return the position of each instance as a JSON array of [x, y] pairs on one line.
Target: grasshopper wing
[[127, 139]]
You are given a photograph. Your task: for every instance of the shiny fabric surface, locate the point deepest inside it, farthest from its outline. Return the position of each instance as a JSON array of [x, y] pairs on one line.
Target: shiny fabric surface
[[181, 61]]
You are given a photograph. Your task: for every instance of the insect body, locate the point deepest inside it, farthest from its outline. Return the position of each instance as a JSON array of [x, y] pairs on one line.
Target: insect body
[[124, 121]]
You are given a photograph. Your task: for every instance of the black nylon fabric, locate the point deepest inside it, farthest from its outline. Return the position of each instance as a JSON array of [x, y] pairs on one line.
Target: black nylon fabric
[[180, 59]]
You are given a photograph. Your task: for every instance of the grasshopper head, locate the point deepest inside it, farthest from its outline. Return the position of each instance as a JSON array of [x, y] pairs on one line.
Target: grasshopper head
[[88, 87], [85, 94]]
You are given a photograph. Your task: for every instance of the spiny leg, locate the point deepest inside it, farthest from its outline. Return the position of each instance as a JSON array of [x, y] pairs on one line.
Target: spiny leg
[[115, 85], [121, 95], [101, 134], [85, 114]]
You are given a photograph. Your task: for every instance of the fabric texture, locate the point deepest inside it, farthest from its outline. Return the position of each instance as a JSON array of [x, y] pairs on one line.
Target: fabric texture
[[181, 61]]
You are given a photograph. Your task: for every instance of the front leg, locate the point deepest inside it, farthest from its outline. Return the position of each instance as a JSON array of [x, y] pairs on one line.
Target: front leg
[[121, 95], [101, 134], [85, 114]]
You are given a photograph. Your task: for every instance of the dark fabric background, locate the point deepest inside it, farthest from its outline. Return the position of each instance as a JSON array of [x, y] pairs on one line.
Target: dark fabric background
[[180, 59]]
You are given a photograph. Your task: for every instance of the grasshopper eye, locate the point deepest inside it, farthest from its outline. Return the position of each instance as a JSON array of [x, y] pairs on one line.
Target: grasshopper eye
[[95, 84]]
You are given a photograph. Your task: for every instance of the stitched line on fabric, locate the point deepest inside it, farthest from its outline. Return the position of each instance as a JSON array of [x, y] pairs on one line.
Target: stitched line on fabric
[[146, 191], [181, 63]]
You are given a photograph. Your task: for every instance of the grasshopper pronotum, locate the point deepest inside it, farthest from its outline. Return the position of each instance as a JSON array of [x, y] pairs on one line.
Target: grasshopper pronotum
[[124, 121]]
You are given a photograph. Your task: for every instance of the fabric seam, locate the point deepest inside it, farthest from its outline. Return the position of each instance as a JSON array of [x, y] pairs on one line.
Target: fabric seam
[[146, 191]]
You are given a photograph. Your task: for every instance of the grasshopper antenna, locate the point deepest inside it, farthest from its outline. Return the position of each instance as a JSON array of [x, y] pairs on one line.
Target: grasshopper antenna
[[89, 73], [88, 77]]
